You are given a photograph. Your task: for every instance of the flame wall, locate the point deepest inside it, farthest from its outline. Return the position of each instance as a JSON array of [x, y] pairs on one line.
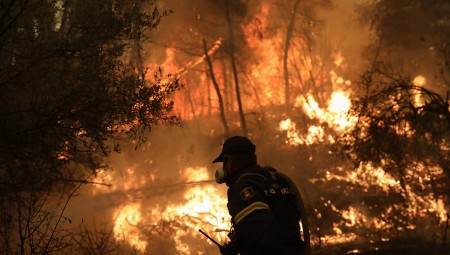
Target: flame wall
[[162, 193]]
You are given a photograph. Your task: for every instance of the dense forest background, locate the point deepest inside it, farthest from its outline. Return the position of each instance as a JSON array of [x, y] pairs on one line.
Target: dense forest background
[[111, 112]]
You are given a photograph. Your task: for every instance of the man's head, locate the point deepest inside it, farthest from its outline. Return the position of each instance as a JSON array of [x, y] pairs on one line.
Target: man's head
[[238, 153], [236, 145]]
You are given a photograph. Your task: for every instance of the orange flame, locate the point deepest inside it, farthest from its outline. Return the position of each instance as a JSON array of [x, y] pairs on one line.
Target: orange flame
[[367, 176], [419, 81], [126, 226], [335, 116], [203, 207]]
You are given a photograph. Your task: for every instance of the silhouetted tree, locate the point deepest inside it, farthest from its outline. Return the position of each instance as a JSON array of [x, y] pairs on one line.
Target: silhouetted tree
[[216, 88], [412, 35], [403, 129], [404, 126], [400, 120], [289, 31], [67, 89]]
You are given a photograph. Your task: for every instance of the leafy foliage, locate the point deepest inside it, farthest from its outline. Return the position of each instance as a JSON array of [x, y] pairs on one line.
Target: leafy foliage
[[68, 85]]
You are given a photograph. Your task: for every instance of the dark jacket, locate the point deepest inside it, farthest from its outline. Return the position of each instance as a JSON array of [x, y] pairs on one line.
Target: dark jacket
[[264, 213]]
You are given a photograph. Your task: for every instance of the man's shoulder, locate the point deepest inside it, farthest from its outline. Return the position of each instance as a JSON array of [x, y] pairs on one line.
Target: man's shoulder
[[252, 174], [275, 174]]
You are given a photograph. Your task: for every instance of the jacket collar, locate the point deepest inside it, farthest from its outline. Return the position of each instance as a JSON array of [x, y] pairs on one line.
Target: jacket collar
[[248, 169]]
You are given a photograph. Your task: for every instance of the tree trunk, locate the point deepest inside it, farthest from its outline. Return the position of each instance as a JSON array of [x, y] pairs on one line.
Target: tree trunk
[[216, 87], [188, 94], [137, 60], [285, 56], [233, 64], [261, 108], [208, 87], [227, 91]]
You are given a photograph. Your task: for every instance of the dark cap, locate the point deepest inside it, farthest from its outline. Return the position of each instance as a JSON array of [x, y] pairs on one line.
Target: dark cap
[[236, 145]]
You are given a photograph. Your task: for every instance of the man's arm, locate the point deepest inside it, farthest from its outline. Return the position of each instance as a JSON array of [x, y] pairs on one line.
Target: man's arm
[[256, 229]]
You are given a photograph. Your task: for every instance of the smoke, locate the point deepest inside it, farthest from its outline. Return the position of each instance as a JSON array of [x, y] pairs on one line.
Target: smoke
[[153, 176], [344, 31]]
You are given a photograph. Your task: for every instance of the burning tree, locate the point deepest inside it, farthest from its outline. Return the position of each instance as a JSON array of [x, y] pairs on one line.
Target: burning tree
[[365, 203], [400, 120], [399, 143], [399, 146], [56, 128]]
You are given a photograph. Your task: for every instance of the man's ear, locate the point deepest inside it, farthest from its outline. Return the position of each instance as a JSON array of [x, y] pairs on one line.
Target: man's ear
[[229, 163], [225, 160]]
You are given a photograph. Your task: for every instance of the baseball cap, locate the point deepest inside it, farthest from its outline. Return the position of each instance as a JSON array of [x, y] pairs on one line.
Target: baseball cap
[[236, 145]]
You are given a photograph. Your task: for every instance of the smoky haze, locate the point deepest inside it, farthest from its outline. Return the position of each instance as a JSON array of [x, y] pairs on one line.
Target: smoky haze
[[153, 176]]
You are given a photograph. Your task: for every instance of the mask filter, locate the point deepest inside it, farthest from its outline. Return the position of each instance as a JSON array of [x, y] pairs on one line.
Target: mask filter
[[220, 175]]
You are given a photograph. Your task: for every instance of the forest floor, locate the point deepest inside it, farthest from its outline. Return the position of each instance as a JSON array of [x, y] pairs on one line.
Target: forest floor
[[410, 246]]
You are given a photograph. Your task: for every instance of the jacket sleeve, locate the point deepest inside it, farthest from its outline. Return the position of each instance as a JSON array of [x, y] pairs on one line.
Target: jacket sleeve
[[256, 230]]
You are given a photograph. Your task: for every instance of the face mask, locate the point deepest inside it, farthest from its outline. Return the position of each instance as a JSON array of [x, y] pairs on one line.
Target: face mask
[[220, 175]]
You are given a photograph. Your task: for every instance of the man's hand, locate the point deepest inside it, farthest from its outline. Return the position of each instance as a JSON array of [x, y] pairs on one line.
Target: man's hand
[[228, 249]]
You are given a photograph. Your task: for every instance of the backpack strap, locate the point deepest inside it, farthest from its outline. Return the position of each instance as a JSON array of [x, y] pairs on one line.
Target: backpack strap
[[250, 174], [272, 171], [301, 208]]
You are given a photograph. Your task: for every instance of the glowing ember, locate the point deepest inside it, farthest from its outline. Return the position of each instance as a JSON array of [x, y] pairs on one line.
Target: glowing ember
[[419, 80], [337, 239], [368, 176], [353, 217]]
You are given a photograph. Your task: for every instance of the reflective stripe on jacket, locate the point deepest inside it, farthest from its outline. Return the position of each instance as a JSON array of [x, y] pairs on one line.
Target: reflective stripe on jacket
[[264, 213]]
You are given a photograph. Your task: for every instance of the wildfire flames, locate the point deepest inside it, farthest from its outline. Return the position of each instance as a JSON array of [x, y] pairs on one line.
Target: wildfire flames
[[203, 207], [126, 226], [335, 116], [366, 176]]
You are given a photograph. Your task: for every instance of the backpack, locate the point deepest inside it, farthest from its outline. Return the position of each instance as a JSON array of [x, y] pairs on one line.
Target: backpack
[[284, 198]]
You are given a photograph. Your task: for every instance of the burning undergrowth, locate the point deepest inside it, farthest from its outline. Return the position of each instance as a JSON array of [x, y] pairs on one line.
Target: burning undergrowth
[[167, 198], [157, 209], [161, 196], [200, 205]]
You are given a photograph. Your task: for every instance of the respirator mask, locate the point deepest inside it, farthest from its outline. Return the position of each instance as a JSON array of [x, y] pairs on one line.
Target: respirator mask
[[220, 175]]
